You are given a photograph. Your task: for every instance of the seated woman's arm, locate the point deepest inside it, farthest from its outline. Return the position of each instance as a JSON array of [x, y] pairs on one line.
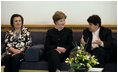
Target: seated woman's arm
[[28, 42], [48, 46]]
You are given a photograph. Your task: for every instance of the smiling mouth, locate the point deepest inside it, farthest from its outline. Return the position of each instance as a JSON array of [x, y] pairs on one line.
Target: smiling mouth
[[18, 24], [62, 24]]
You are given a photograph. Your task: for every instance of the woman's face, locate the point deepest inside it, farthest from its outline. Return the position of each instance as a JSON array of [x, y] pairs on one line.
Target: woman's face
[[93, 27], [17, 22], [60, 22]]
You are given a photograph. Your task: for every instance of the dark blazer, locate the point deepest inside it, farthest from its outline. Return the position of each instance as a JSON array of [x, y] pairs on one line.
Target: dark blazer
[[56, 38], [105, 35]]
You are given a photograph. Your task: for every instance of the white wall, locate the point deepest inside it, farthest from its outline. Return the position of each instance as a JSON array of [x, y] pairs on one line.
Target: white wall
[[40, 12]]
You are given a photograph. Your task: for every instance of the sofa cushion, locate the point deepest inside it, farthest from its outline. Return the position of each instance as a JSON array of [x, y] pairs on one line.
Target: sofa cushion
[[38, 37], [34, 53], [41, 65], [77, 37]]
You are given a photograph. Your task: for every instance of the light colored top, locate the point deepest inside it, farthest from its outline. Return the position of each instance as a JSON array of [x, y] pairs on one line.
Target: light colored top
[[96, 37]]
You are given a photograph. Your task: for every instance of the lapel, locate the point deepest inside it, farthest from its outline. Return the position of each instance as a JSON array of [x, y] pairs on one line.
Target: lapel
[[90, 39], [101, 33], [91, 36]]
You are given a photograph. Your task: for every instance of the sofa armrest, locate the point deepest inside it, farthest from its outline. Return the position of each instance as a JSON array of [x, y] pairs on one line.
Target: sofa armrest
[[34, 53]]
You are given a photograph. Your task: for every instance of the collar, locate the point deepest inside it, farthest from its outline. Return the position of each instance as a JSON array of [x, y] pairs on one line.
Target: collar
[[96, 32]]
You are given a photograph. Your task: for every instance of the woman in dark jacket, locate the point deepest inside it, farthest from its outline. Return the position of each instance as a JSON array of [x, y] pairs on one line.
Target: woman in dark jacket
[[58, 42]]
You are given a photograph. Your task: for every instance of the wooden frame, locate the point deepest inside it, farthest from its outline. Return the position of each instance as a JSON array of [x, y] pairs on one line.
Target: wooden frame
[[45, 27]]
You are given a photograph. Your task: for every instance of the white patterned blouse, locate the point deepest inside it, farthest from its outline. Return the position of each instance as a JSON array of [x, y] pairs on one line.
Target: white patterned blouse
[[18, 40]]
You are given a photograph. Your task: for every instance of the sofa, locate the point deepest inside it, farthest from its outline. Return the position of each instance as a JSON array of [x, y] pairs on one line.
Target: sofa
[[34, 61]]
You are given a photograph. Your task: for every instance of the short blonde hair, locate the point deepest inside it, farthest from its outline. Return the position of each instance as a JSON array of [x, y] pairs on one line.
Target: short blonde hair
[[58, 15]]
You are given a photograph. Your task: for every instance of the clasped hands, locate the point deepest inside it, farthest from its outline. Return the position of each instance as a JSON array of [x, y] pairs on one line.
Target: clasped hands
[[60, 50], [15, 51]]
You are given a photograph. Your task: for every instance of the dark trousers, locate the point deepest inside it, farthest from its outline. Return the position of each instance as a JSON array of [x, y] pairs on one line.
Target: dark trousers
[[12, 63], [100, 55], [54, 60]]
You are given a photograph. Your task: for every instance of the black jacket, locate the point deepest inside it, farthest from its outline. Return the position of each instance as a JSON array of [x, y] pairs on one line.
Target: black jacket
[[56, 38], [105, 35]]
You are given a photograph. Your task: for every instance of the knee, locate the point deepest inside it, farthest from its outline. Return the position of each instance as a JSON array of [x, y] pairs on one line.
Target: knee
[[7, 57], [52, 53], [16, 58]]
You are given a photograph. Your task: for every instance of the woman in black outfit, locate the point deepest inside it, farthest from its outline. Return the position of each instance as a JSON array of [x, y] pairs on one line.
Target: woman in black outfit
[[58, 42]]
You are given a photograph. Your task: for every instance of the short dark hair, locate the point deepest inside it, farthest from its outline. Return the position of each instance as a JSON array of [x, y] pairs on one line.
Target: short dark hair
[[95, 19], [13, 16], [58, 15]]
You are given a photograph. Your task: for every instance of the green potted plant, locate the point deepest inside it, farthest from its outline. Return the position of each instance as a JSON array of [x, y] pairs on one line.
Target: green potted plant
[[81, 60]]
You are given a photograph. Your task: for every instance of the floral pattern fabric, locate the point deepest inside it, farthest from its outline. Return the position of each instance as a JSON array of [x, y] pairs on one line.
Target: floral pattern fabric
[[23, 39]]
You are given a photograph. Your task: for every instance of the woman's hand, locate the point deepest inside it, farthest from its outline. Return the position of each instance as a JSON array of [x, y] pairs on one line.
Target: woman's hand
[[99, 42], [15, 51], [58, 51], [82, 40], [61, 49]]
